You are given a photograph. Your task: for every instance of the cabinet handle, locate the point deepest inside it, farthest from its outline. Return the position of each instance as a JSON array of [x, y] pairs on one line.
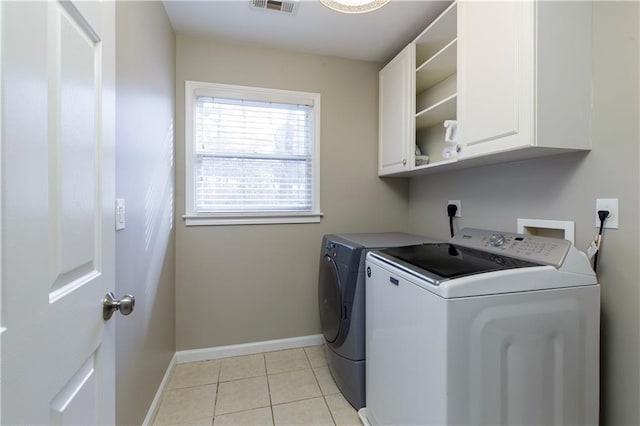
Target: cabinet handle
[[458, 148], [404, 162]]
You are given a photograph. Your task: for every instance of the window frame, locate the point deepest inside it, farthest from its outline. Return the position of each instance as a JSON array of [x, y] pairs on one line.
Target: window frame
[[194, 218]]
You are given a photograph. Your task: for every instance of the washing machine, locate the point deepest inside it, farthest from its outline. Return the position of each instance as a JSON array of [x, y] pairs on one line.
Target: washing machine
[[341, 299], [490, 328]]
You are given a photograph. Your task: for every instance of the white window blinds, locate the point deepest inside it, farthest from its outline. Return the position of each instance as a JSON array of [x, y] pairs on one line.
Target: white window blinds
[[252, 156]]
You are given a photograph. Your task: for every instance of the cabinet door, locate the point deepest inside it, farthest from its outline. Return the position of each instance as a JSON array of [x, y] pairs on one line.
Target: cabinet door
[[397, 113], [495, 76]]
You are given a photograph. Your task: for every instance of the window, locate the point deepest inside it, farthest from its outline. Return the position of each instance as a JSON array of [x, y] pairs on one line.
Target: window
[[251, 155]]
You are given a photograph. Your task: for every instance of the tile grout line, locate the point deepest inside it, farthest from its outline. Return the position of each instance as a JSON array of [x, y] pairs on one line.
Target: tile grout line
[[266, 373], [192, 386], [297, 400], [242, 379], [215, 400], [324, 398], [170, 390], [244, 410], [291, 371]]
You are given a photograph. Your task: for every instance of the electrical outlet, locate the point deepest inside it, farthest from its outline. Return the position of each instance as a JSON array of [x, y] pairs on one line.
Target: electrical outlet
[[610, 204], [458, 203]]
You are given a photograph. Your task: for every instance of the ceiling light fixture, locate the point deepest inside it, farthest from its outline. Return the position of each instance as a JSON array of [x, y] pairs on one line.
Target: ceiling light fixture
[[354, 6]]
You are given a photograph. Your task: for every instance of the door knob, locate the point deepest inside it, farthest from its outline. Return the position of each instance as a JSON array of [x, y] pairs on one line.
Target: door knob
[[110, 304]]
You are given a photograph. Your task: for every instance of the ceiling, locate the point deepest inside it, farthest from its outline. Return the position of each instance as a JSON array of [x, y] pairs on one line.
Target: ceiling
[[315, 29]]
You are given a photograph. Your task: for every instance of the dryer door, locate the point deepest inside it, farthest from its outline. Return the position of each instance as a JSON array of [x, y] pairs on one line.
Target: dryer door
[[329, 299]]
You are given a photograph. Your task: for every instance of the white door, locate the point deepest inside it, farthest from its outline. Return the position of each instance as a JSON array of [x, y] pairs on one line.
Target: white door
[[58, 65]]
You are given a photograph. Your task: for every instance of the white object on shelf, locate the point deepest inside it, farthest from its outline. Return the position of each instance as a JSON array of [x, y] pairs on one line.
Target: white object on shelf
[[422, 160], [451, 134]]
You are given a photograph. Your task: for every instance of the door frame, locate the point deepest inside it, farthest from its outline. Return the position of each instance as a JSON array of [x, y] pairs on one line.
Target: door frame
[[1, 196]]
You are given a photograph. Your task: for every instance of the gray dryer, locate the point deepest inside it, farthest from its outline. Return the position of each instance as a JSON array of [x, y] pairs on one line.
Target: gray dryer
[[341, 299]]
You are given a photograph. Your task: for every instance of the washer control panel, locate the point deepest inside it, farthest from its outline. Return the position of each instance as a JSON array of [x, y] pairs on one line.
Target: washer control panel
[[543, 250]]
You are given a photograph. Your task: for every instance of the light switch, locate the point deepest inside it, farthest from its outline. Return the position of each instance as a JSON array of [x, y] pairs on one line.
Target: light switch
[[120, 213]]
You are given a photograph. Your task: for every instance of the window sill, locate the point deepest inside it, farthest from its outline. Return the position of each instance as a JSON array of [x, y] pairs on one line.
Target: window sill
[[251, 219]]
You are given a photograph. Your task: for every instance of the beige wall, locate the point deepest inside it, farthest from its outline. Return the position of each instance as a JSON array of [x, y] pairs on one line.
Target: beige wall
[[238, 284], [145, 82], [565, 188]]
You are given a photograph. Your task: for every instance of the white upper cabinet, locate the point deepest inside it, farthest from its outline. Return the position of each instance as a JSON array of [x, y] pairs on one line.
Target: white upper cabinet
[[417, 94], [515, 75], [495, 75], [524, 78], [396, 129]]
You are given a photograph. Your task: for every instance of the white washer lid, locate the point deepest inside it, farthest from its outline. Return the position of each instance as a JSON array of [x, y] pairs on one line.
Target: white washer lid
[[575, 271]]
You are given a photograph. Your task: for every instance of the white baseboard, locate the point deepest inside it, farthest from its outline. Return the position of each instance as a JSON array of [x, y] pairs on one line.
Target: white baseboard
[[217, 352], [155, 404]]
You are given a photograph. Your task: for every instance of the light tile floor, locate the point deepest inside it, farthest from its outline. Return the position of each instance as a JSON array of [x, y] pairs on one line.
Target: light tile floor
[[291, 387]]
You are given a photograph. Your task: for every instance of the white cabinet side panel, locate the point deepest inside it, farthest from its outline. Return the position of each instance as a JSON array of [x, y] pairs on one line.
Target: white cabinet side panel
[[563, 64]]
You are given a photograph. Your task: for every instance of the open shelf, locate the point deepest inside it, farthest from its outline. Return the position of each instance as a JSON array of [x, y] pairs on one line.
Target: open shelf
[[437, 35], [436, 82], [443, 110], [431, 62], [437, 68], [437, 92]]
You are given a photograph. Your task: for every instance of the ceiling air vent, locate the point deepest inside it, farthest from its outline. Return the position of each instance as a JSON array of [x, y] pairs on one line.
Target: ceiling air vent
[[286, 6]]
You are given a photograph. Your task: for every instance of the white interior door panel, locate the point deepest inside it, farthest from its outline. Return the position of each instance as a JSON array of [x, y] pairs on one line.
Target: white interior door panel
[[58, 65]]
